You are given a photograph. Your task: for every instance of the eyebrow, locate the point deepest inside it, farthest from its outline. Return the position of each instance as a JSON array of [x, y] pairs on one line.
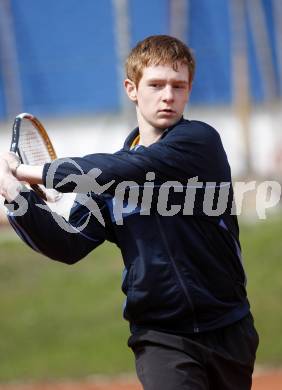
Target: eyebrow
[[157, 80]]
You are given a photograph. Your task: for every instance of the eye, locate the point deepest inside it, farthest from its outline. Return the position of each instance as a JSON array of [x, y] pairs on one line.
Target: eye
[[155, 85]]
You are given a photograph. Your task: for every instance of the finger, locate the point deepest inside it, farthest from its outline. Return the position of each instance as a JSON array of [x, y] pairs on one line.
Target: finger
[[11, 189]]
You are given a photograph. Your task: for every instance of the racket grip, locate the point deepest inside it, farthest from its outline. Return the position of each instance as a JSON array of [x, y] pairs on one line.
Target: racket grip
[[39, 191]]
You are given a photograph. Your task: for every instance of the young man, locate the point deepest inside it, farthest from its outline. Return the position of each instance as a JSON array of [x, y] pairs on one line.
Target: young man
[[189, 316]]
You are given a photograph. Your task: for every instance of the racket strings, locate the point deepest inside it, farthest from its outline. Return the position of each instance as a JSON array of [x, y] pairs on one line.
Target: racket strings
[[32, 147]]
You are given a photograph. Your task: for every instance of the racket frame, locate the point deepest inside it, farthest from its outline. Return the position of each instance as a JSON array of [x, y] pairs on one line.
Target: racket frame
[[15, 143]]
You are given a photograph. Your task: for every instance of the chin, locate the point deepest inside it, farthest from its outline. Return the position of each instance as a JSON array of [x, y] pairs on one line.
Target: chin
[[166, 122]]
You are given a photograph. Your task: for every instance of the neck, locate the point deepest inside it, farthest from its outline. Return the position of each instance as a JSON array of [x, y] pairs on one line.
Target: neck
[[149, 136], [148, 133]]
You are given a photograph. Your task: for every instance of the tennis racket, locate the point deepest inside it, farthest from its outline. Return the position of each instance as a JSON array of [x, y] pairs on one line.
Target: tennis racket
[[32, 144]]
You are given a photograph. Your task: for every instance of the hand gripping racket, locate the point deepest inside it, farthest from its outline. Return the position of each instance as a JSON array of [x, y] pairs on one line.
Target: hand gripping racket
[[32, 144]]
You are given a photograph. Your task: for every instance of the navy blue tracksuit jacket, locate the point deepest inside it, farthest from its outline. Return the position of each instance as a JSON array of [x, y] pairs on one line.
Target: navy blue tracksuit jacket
[[183, 273]]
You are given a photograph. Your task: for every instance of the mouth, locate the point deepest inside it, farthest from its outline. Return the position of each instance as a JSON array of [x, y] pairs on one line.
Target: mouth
[[167, 111]]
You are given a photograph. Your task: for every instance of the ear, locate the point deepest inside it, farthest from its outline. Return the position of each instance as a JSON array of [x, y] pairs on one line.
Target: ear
[[131, 89]]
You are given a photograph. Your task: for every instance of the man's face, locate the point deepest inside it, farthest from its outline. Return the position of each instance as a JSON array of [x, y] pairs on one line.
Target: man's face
[[161, 95]]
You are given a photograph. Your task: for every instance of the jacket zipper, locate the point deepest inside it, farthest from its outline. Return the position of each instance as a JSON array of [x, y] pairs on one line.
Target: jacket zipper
[[178, 275]]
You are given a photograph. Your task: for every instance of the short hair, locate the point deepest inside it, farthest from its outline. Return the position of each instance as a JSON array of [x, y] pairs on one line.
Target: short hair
[[158, 50]]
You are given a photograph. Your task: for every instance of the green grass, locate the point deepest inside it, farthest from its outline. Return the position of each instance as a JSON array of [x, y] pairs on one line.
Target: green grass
[[59, 321], [262, 248]]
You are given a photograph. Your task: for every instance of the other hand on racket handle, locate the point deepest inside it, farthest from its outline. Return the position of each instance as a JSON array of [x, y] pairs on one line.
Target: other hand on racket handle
[[12, 159], [31, 174], [10, 187]]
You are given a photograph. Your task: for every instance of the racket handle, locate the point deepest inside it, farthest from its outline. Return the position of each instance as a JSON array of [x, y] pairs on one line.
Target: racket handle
[[39, 191]]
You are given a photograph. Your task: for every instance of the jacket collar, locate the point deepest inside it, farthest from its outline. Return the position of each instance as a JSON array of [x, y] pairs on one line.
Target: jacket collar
[[133, 134]]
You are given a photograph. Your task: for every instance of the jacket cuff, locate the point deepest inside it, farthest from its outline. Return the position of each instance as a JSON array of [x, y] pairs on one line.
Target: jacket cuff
[[45, 172]]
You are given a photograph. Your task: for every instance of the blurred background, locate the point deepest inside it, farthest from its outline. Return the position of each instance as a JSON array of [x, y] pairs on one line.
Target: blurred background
[[63, 62]]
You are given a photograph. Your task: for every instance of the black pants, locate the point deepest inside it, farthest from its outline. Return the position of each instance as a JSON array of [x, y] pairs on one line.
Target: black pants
[[222, 359]]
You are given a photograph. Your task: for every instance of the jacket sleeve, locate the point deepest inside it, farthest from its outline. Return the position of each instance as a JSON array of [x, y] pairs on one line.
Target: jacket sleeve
[[53, 236], [188, 150]]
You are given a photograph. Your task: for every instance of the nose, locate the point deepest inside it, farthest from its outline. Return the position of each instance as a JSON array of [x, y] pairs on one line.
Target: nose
[[168, 94]]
